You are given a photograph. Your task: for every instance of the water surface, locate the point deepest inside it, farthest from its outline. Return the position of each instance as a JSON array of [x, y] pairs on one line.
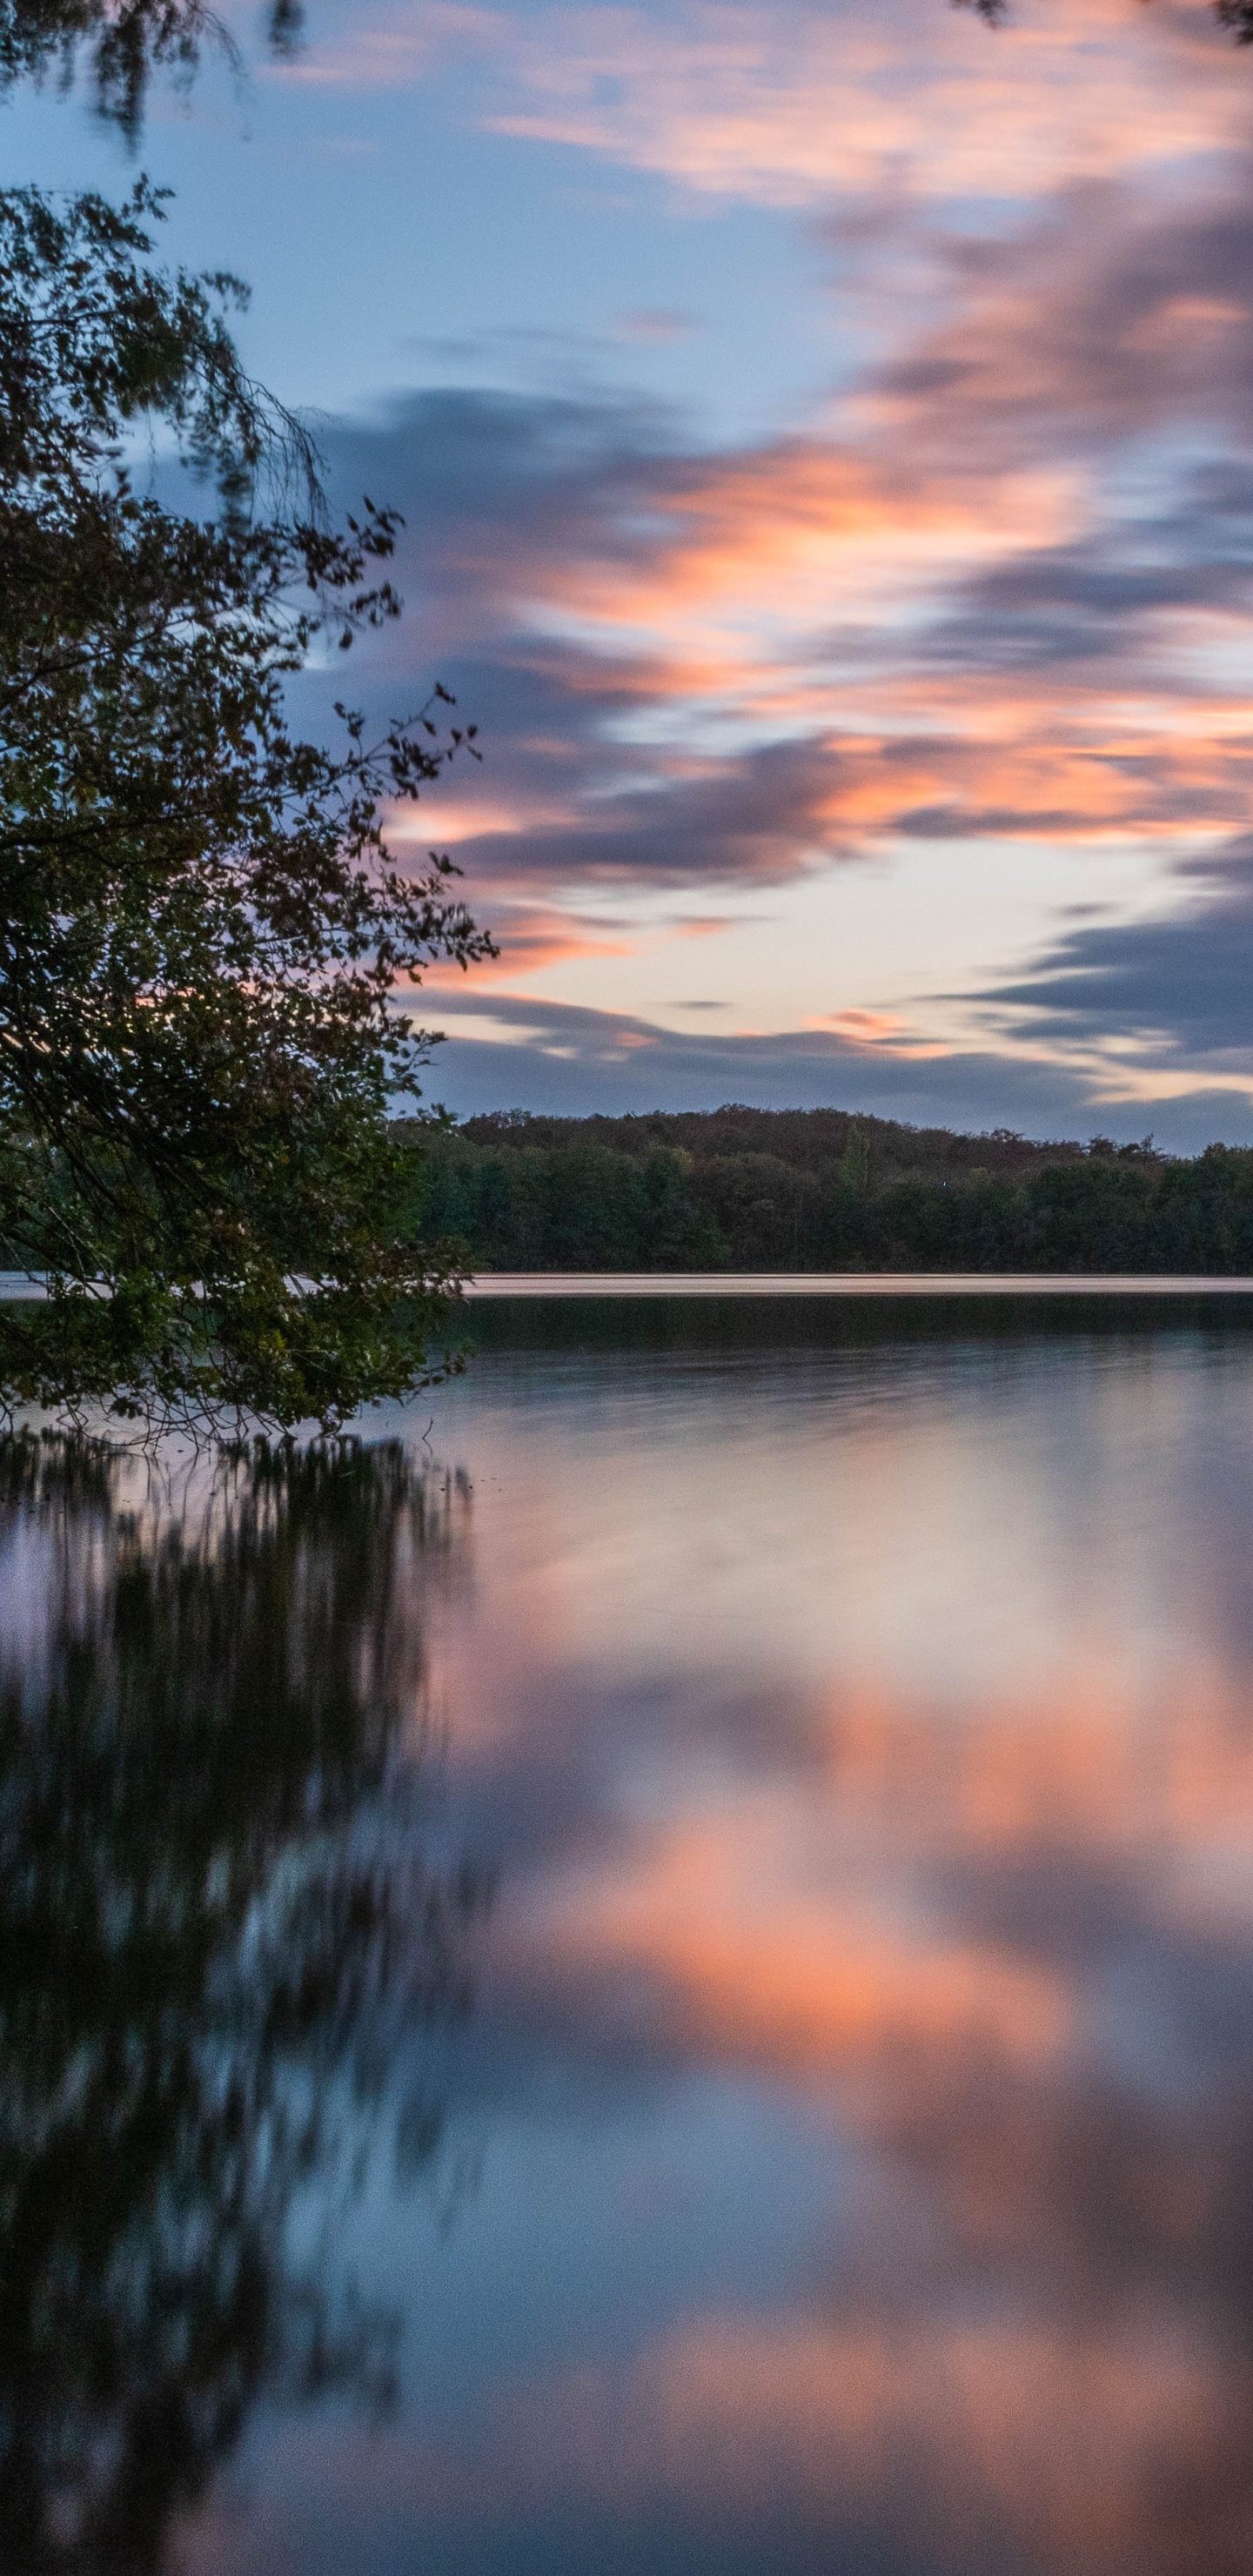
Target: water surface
[[713, 1914]]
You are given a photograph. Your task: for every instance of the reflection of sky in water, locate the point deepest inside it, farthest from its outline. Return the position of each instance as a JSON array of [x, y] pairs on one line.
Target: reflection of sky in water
[[850, 2161]]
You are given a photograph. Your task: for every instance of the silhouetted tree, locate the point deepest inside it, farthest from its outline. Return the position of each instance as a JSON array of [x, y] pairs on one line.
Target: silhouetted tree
[[125, 42], [201, 926]]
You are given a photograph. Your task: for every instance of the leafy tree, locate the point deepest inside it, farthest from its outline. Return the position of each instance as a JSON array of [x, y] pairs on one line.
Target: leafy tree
[[201, 926], [855, 1161], [125, 41], [818, 1190]]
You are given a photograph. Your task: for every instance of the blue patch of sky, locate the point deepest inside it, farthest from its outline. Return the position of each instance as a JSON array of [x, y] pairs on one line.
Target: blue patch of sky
[[390, 245]]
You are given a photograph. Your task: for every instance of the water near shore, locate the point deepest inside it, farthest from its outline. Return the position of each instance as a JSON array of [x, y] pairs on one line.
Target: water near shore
[[850, 1283], [703, 2016]]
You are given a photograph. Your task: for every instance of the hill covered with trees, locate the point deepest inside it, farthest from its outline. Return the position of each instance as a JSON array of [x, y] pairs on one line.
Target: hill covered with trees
[[817, 1189]]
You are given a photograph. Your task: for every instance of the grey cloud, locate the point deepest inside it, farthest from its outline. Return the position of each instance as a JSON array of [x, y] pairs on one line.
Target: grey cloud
[[1110, 317], [467, 464], [956, 821], [571, 1061], [495, 492], [1185, 983], [1072, 608], [757, 817]]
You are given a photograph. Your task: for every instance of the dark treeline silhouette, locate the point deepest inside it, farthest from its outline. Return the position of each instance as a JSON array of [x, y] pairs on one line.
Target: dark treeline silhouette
[[818, 1189], [215, 1930]]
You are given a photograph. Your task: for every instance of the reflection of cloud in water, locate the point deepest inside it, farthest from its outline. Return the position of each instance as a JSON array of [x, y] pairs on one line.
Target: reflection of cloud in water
[[985, 2444], [994, 1935], [863, 2063]]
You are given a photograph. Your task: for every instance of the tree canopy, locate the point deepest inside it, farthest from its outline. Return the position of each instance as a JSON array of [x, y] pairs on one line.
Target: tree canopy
[[815, 1189], [202, 925], [125, 41]]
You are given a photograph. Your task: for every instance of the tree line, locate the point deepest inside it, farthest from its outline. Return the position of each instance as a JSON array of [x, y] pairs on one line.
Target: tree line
[[751, 1189]]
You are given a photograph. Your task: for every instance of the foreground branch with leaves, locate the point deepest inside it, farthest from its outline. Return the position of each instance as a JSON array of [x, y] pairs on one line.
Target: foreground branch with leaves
[[125, 42], [202, 927]]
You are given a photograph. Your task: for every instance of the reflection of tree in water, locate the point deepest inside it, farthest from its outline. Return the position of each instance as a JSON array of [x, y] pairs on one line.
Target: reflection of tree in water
[[214, 1928]]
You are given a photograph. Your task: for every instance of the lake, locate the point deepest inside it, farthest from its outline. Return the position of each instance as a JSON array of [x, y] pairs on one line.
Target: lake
[[654, 1978]]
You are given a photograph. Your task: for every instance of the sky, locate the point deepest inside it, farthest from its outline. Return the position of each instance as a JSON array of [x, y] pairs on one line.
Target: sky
[[825, 442]]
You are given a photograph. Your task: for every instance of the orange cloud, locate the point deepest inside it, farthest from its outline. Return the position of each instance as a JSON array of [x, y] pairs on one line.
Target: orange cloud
[[528, 944]]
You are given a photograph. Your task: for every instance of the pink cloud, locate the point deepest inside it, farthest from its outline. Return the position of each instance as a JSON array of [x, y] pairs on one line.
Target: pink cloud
[[798, 106]]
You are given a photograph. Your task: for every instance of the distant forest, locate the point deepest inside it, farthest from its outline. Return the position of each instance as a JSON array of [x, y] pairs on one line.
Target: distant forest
[[817, 1189]]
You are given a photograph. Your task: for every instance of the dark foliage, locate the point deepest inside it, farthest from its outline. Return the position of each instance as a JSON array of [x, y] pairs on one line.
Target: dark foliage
[[1235, 15], [200, 923], [754, 1189], [214, 1919], [125, 42]]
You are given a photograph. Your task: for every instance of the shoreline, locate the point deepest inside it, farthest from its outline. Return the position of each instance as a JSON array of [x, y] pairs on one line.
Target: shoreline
[[847, 1283]]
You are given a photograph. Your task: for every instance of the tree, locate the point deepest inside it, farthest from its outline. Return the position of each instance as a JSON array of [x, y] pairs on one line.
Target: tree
[[1235, 15], [126, 40], [201, 925]]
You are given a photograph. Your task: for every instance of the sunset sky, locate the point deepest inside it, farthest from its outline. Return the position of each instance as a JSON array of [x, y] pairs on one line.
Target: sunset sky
[[825, 438]]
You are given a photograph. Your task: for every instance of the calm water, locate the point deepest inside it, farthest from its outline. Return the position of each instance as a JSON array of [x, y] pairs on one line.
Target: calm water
[[659, 1981]]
